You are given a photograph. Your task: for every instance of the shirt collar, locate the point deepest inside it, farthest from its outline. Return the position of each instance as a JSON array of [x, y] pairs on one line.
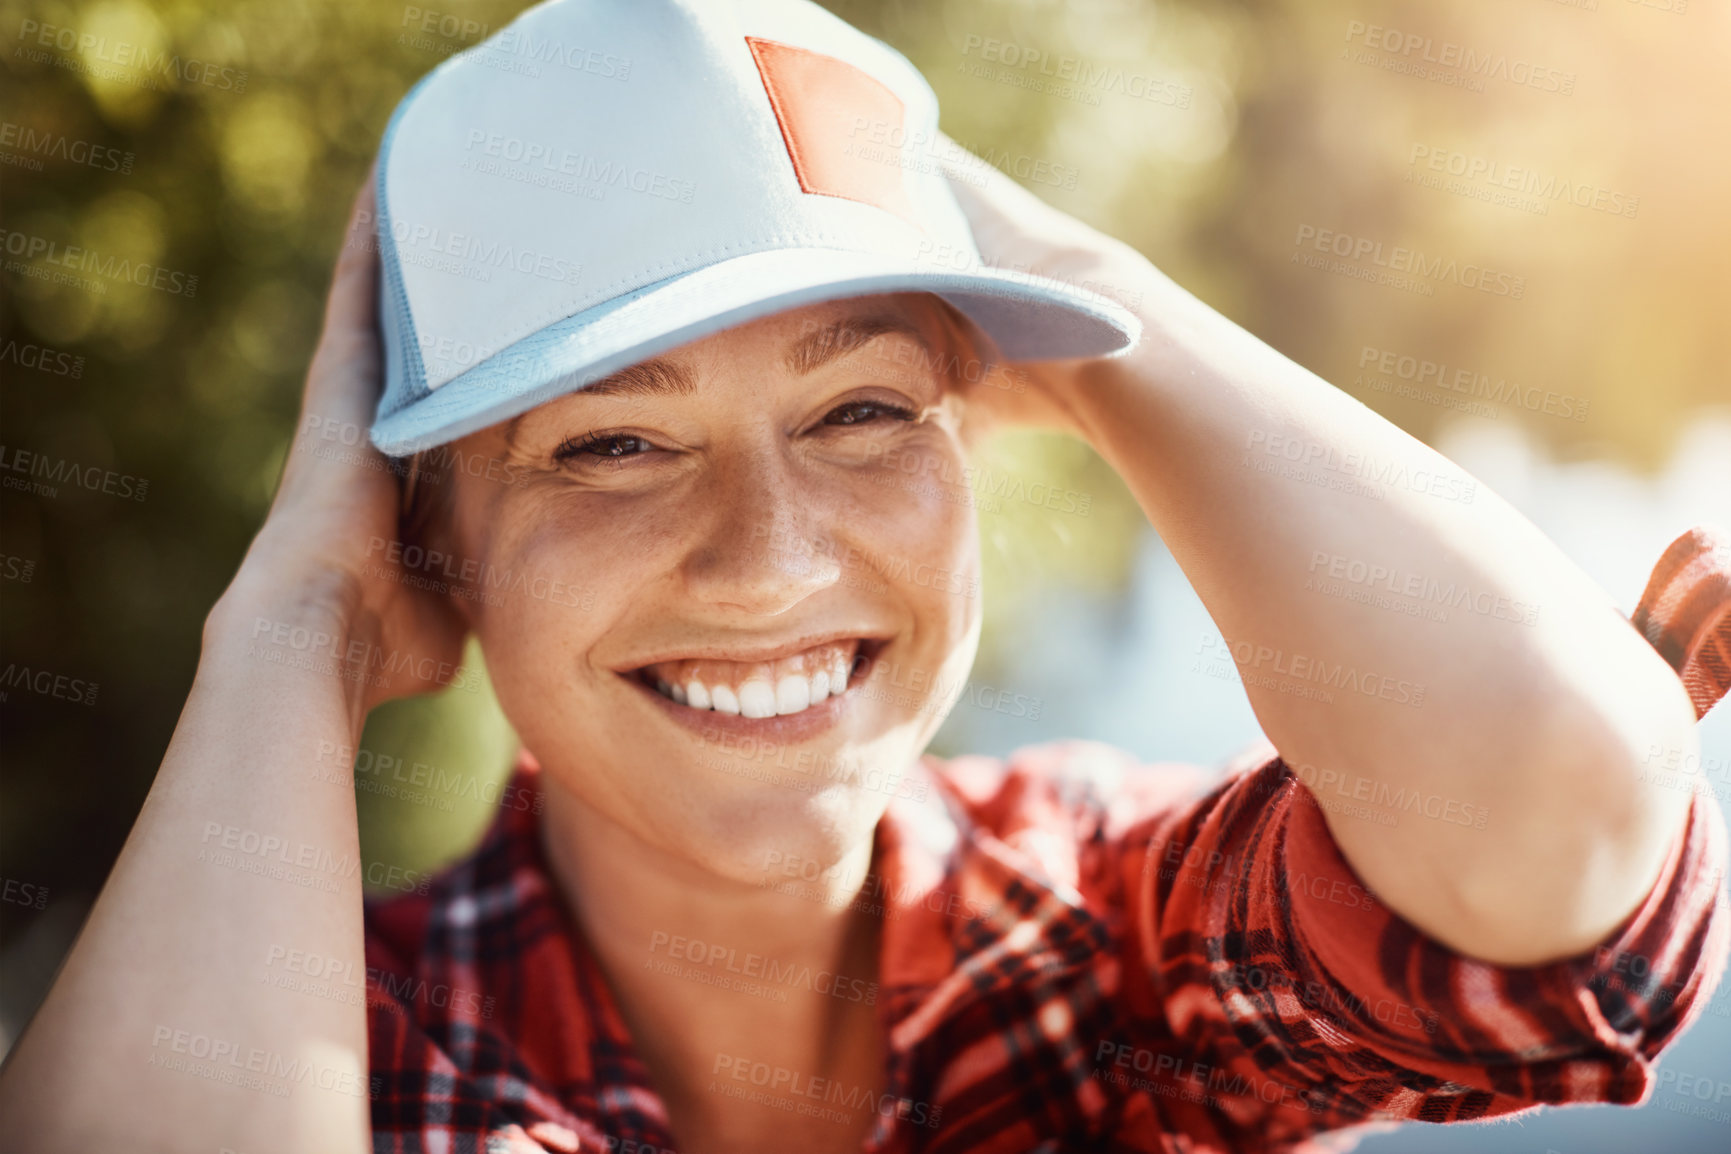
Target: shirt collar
[[966, 918]]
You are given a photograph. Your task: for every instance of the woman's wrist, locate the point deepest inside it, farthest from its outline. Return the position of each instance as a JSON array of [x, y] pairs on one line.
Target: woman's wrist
[[282, 585]]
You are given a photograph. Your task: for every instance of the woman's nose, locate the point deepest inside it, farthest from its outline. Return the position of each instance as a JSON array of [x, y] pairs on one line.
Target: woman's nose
[[765, 549]]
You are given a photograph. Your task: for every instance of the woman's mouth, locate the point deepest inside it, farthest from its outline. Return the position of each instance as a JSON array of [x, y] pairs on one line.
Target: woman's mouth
[[788, 685]]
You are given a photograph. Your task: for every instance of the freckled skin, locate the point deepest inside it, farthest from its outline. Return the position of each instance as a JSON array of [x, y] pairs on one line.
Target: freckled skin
[[731, 523]]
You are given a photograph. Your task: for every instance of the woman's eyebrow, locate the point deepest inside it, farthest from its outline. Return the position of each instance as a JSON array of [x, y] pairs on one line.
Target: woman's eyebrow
[[646, 379], [654, 377], [817, 348]]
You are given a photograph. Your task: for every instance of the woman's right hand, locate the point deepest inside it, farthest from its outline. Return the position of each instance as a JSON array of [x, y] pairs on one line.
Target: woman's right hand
[[324, 558]]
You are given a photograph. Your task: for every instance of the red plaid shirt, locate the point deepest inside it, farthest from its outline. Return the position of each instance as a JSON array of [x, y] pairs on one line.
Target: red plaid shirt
[[1079, 952]]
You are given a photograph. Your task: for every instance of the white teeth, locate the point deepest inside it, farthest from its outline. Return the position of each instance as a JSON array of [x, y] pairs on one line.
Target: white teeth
[[756, 699], [792, 694], [771, 689]]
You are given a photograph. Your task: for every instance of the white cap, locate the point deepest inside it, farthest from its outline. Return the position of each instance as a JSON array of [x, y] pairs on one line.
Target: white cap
[[604, 180]]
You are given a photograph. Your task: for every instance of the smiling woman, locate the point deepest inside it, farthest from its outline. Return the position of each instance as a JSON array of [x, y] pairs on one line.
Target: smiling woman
[[733, 904]]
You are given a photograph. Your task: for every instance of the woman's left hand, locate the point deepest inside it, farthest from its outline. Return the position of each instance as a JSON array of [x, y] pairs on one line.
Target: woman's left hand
[[1016, 230]]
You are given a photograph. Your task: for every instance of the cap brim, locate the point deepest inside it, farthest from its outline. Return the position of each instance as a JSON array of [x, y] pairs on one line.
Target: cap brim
[[1028, 317]]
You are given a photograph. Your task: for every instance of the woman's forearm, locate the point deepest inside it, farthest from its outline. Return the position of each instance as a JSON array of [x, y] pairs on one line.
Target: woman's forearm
[[188, 1015], [1467, 705]]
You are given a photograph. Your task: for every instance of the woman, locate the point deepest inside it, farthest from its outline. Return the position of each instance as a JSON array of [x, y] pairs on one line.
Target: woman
[[731, 906]]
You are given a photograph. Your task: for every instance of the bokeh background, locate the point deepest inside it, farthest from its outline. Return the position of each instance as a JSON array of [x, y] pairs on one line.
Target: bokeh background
[[1214, 133]]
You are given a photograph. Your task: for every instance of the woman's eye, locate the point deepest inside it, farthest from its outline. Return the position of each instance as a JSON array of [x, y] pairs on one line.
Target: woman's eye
[[609, 446], [863, 412]]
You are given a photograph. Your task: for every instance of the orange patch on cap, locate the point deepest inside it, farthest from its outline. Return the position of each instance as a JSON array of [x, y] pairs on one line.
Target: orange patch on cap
[[828, 109]]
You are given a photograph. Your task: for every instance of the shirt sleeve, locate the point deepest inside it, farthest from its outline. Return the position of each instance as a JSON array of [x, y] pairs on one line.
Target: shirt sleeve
[[1287, 979], [1280, 969]]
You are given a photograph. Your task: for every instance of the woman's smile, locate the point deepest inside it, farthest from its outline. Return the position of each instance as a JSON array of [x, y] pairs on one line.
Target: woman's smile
[[788, 692]]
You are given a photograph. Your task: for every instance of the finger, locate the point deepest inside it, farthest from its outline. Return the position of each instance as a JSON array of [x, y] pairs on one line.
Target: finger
[[354, 287], [977, 183], [343, 382]]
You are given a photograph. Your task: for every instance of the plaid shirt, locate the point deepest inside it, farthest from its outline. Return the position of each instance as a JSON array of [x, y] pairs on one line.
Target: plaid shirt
[[1078, 952]]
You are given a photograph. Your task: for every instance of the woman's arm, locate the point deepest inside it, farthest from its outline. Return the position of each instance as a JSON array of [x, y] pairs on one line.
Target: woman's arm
[[1522, 722], [164, 1029]]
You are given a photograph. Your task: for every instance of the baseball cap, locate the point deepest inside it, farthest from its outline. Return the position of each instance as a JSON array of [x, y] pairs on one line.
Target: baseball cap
[[604, 180]]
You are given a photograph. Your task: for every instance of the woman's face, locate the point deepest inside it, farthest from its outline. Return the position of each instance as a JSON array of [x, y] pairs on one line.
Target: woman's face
[[737, 587]]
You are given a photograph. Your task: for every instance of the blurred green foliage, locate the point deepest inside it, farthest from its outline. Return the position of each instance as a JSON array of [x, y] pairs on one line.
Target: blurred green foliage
[[240, 165]]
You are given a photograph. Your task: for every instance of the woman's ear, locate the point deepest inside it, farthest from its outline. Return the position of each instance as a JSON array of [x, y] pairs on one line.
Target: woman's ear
[[427, 529]]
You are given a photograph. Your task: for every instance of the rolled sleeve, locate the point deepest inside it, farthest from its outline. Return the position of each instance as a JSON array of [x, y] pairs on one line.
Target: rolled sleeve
[[1280, 965]]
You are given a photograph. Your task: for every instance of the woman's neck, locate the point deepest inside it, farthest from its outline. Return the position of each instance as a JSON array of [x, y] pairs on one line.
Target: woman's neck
[[735, 994]]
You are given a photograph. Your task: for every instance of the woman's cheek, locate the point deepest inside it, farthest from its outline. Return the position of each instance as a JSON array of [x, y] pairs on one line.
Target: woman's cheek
[[914, 518]]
